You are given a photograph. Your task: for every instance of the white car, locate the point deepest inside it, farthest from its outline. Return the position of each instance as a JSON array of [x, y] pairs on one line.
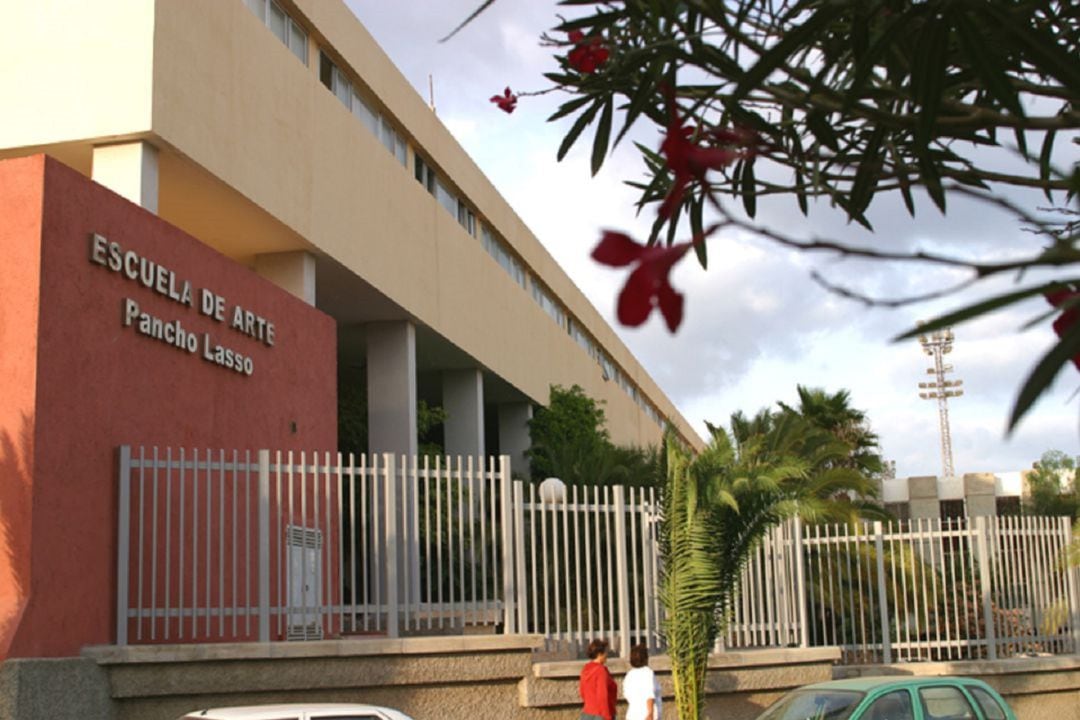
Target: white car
[[299, 711]]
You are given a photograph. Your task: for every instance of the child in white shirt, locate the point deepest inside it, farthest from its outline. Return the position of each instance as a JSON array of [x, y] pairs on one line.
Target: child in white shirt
[[641, 688]]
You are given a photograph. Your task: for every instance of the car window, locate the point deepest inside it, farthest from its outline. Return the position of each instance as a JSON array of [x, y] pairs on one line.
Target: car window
[[816, 704], [989, 705], [945, 703], [893, 706]]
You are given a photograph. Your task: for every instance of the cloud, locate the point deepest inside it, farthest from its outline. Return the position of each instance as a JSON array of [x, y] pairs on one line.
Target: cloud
[[756, 324]]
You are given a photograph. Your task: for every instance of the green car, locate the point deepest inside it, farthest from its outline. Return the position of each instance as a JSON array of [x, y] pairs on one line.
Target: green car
[[892, 698]]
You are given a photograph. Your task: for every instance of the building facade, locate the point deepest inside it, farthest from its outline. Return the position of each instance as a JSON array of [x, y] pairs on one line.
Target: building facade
[[279, 134], [219, 214], [970, 495]]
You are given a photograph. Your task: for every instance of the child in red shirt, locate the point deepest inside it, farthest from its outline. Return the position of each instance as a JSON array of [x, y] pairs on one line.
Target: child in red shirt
[[596, 686]]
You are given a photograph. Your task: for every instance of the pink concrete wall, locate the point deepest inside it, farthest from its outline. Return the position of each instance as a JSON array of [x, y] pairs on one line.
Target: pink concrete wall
[[20, 228], [101, 385]]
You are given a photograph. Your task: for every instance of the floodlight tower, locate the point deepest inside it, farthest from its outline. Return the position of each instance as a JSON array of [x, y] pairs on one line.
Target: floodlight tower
[[937, 345]]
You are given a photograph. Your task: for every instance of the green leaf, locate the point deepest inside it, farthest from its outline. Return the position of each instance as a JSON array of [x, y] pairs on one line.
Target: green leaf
[[984, 61], [602, 137], [903, 180], [800, 194], [575, 130], [822, 130], [928, 76], [749, 189], [1044, 160], [865, 65], [569, 106], [793, 38], [1048, 58], [697, 228], [1045, 371], [868, 172], [928, 170], [642, 97], [983, 307], [475, 14]]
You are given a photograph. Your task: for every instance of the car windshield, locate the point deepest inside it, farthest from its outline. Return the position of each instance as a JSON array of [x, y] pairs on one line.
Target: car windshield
[[814, 705]]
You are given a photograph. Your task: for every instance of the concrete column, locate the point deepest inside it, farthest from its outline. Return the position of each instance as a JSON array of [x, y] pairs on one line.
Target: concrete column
[[514, 435], [292, 271], [129, 169], [391, 387], [463, 401], [923, 497]]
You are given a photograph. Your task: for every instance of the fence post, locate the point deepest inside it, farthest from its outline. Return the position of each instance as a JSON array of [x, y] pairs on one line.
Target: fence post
[[800, 582], [264, 546], [622, 580], [519, 557], [883, 592], [982, 550], [506, 520], [1072, 587], [123, 545], [391, 538]]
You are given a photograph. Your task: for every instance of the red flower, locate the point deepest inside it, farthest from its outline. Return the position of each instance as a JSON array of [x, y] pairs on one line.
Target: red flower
[[1069, 317], [588, 53], [648, 285], [690, 161], [506, 102]]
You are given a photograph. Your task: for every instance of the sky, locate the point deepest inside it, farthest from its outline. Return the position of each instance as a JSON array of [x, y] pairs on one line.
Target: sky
[[756, 324]]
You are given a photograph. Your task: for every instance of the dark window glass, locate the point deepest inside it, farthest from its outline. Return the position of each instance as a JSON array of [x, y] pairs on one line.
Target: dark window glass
[[899, 510], [951, 509], [823, 704], [991, 708], [326, 71], [894, 706], [945, 703], [1008, 505]]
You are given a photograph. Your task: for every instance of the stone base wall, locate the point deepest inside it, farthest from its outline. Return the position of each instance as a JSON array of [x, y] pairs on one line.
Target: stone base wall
[[449, 678]]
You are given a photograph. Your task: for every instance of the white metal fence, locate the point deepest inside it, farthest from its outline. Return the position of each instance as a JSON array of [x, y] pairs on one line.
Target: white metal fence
[[968, 588], [589, 566], [219, 546]]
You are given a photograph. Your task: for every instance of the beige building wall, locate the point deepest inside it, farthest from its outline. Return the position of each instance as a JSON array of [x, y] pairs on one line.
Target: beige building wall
[[257, 156]]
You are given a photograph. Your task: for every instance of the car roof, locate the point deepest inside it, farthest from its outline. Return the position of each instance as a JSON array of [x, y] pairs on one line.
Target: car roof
[[871, 684], [278, 712]]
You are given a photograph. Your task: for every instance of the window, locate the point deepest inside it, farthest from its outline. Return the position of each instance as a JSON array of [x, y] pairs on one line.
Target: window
[[454, 205], [991, 708], [952, 509], [945, 703], [466, 218], [497, 250], [893, 706], [1008, 505], [338, 83], [802, 704], [287, 30], [582, 338], [899, 510], [424, 175], [607, 367], [446, 198], [548, 304]]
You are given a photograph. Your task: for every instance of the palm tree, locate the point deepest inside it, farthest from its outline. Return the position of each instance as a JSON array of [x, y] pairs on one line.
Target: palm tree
[[833, 413], [718, 505]]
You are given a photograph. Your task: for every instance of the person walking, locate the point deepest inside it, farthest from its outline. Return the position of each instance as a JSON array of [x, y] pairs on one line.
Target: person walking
[[641, 688], [596, 686]]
